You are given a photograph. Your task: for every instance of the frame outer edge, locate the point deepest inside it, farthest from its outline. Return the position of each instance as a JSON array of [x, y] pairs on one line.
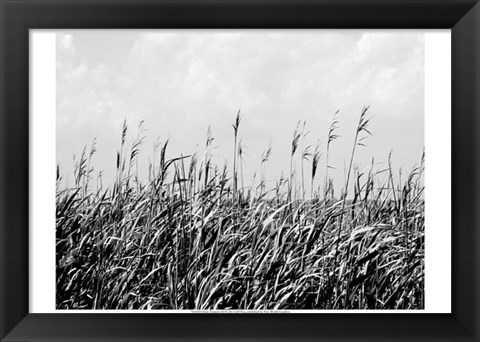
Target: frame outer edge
[[2, 237], [14, 171], [8, 323], [3, 310], [466, 171], [476, 299], [476, 261]]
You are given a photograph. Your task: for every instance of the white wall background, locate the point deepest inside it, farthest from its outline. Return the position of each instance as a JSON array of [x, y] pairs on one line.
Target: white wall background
[[45, 141]]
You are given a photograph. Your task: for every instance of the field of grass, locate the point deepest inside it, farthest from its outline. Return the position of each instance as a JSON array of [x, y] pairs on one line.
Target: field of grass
[[193, 236]]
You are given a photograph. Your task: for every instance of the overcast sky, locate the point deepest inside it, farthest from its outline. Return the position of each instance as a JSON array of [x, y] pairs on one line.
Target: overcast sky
[[180, 82]]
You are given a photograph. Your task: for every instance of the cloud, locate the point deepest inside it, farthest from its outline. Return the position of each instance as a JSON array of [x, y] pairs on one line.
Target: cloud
[[67, 42], [180, 82]]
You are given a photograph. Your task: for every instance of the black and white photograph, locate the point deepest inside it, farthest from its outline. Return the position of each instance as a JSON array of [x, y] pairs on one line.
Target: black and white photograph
[[240, 170]]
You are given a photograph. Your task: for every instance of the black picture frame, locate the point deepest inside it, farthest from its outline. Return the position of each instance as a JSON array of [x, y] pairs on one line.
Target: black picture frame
[[18, 16]]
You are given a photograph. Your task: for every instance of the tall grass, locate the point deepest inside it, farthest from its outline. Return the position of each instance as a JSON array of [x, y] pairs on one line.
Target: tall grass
[[191, 238], [332, 136]]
